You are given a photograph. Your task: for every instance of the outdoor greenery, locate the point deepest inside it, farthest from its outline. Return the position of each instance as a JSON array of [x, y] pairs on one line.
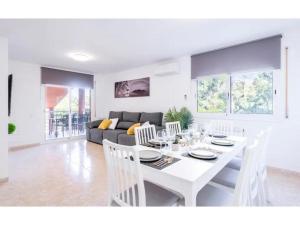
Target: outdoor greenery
[[11, 128], [184, 116], [212, 97], [252, 93]]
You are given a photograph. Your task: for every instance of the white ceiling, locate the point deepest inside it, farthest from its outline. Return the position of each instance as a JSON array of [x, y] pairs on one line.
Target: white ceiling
[[119, 44]]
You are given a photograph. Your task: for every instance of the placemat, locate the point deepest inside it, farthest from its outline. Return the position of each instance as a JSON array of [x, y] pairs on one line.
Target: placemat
[[157, 165], [160, 166], [153, 145]]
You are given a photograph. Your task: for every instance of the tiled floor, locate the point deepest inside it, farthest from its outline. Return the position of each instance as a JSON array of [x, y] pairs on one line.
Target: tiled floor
[[73, 174]]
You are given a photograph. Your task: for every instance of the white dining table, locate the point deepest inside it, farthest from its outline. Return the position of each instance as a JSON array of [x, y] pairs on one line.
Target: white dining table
[[189, 175]]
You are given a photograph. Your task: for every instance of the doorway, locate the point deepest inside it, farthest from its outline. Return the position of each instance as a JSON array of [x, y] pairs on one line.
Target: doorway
[[67, 110]]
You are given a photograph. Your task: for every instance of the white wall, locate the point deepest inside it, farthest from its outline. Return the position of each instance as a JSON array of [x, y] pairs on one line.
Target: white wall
[[165, 91], [4, 108], [26, 108], [284, 151]]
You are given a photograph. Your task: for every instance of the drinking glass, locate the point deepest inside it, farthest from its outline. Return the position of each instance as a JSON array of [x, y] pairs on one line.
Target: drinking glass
[[161, 136], [171, 138]]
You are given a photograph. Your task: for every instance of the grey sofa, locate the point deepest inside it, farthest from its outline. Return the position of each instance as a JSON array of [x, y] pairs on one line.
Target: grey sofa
[[119, 135]]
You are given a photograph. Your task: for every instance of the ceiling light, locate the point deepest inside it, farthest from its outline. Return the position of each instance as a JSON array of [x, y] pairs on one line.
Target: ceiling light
[[79, 56]]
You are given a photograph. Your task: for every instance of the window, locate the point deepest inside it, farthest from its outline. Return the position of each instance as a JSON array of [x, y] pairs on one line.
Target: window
[[250, 93], [212, 94]]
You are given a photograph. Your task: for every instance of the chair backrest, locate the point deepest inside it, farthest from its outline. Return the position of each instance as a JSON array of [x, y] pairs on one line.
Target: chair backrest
[[265, 136], [173, 127], [144, 133], [247, 188], [246, 183], [125, 180], [221, 127]]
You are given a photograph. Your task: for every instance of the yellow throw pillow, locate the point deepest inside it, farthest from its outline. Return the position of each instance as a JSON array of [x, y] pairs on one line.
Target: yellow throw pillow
[[130, 130], [105, 124]]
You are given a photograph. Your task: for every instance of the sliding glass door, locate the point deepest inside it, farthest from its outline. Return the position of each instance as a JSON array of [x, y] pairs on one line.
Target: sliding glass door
[[80, 110], [67, 110]]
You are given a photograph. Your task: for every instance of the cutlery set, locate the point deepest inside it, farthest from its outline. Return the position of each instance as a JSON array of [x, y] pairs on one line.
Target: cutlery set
[[163, 162]]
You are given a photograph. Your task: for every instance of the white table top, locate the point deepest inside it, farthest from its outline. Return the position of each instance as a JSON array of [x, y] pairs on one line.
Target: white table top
[[188, 176], [190, 169]]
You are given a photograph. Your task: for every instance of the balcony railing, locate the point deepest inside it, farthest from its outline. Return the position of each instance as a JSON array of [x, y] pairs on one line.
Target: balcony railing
[[61, 124]]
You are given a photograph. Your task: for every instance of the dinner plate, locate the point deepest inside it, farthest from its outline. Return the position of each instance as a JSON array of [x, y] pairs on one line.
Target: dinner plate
[[156, 142], [222, 142], [218, 136], [202, 154], [149, 155]]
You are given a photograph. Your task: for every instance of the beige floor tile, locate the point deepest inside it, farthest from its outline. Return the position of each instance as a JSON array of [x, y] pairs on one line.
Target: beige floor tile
[[73, 174]]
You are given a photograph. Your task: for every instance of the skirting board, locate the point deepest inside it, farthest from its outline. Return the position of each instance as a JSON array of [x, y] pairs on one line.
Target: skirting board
[[19, 147], [284, 171], [3, 180]]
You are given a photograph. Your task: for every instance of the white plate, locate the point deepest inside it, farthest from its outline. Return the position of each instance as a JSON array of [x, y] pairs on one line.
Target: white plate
[[156, 142], [149, 155], [222, 142], [202, 154]]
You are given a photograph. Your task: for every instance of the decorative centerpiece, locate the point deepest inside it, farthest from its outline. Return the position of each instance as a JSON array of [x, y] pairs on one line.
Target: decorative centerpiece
[[185, 117]]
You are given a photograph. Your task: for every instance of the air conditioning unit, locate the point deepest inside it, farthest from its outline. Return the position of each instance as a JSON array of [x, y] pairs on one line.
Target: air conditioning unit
[[167, 69]]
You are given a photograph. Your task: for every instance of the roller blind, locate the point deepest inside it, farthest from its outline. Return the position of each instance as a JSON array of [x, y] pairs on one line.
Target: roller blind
[[66, 78], [259, 54]]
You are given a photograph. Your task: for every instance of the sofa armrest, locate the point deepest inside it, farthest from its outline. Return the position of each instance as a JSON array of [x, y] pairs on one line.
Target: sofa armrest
[[93, 124]]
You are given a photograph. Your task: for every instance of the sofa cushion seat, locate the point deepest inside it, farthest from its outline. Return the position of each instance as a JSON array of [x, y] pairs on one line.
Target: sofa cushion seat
[[112, 135], [96, 135], [125, 139]]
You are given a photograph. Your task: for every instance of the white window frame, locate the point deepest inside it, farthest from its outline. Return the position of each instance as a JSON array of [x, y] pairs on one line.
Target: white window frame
[[277, 99]]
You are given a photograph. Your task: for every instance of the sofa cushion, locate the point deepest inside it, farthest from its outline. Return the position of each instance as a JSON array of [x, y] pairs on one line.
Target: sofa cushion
[[124, 125], [114, 114], [131, 130], [114, 122], [112, 135], [154, 118], [124, 139], [96, 135], [105, 124], [131, 116]]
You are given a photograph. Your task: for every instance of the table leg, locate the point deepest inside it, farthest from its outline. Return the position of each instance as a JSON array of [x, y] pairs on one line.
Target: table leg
[[190, 199]]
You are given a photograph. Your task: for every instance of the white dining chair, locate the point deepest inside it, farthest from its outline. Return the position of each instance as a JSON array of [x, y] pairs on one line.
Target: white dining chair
[[227, 178], [144, 133], [173, 127], [125, 180], [244, 192], [220, 127], [262, 169]]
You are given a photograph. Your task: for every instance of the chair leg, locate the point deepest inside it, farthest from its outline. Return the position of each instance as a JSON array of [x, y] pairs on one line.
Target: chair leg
[[109, 201]]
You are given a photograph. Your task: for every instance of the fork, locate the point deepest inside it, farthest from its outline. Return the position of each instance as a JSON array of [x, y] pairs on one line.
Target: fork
[[167, 160]]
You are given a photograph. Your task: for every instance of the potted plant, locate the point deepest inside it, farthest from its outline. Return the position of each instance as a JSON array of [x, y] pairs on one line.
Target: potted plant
[[184, 116], [11, 128]]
